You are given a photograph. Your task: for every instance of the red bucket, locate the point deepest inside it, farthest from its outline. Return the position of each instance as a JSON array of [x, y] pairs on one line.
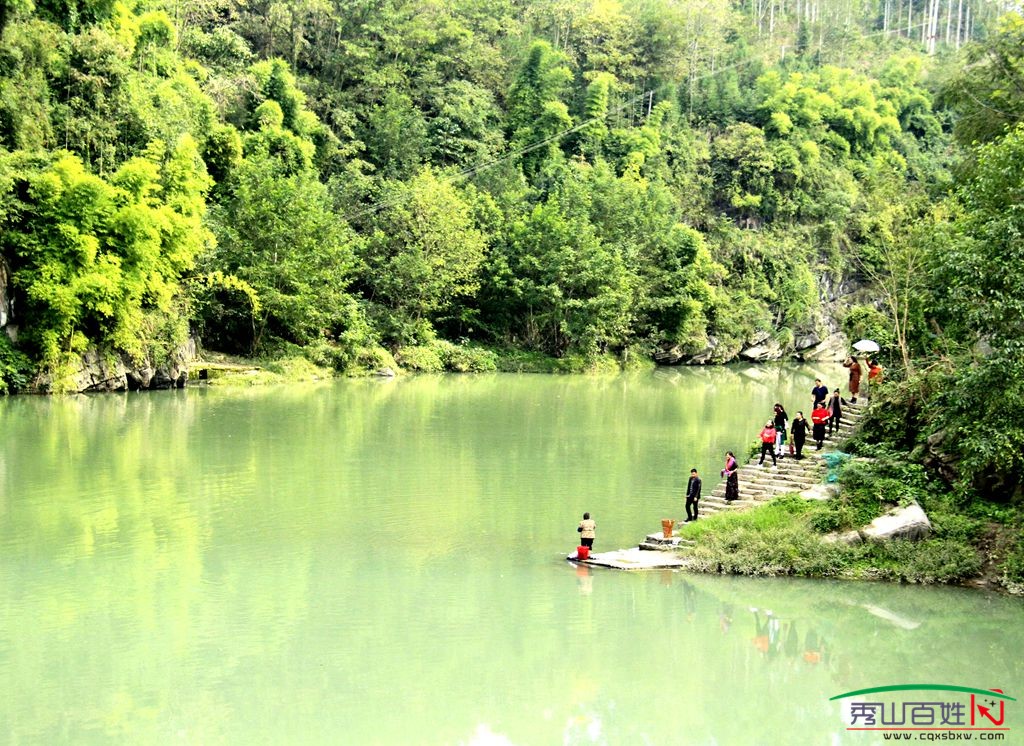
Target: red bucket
[[582, 552]]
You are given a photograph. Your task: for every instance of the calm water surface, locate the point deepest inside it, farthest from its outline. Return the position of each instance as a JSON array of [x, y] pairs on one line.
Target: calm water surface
[[382, 562]]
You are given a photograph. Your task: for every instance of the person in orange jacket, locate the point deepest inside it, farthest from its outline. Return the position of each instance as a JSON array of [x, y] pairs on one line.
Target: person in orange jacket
[[874, 371]]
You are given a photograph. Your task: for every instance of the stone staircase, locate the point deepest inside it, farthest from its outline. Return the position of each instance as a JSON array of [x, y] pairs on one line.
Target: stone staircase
[[759, 484]]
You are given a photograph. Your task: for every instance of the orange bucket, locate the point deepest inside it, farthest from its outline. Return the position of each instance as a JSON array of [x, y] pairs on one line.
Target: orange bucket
[[666, 527]]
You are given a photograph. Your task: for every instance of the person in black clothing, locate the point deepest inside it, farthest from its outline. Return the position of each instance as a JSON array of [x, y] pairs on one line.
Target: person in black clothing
[[835, 412], [820, 391], [781, 419], [799, 430], [732, 482], [692, 496]]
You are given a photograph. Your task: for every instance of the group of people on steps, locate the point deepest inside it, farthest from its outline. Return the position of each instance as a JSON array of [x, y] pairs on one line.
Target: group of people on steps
[[826, 412]]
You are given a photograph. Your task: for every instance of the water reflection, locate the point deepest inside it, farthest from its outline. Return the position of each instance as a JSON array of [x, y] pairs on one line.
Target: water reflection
[[382, 563]]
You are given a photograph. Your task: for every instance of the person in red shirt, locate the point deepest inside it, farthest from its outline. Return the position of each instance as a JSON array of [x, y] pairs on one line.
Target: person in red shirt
[[768, 443], [874, 371], [819, 417]]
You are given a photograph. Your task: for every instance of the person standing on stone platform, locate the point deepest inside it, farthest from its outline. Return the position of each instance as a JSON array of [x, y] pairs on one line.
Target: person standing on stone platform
[[781, 420], [587, 530], [767, 437], [692, 496], [855, 373]]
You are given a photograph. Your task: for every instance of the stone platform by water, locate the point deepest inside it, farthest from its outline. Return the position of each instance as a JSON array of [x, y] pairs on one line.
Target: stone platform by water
[[633, 559]]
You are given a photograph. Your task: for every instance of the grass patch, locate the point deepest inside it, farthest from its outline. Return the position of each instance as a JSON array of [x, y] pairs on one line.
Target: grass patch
[[869, 489], [524, 361], [1012, 566], [605, 364], [270, 372], [931, 561], [420, 359], [636, 363], [783, 537], [441, 355], [369, 359], [777, 513]]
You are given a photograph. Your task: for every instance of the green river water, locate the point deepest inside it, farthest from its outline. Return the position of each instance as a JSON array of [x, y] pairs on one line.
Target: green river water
[[382, 562]]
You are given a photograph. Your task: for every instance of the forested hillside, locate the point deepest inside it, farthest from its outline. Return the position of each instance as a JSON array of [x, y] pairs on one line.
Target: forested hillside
[[464, 182]]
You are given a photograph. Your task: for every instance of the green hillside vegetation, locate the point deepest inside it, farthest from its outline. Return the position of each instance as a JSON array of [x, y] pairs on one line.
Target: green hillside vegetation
[[545, 186]]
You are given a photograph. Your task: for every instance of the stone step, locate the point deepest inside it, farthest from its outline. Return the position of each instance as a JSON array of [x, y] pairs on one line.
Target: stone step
[[749, 492], [809, 464], [761, 484], [745, 489], [779, 474], [771, 476], [744, 498], [658, 539], [789, 463], [719, 502]]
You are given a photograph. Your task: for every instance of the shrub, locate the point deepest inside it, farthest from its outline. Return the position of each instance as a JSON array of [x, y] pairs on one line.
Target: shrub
[[329, 354], [466, 358], [525, 361], [14, 367], [1013, 566], [420, 359], [775, 550], [637, 361], [296, 369], [954, 526], [370, 359], [932, 561], [593, 364]]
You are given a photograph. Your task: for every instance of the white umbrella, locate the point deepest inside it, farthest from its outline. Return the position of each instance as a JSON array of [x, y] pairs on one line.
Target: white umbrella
[[866, 345]]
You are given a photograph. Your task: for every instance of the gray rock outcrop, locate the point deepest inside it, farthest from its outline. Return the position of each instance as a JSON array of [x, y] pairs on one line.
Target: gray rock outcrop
[[846, 537], [899, 523], [5, 310], [834, 347], [98, 372], [769, 349]]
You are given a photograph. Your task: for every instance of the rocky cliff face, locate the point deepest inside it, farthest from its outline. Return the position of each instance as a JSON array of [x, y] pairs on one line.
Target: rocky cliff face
[[110, 372], [97, 371], [821, 340], [5, 303]]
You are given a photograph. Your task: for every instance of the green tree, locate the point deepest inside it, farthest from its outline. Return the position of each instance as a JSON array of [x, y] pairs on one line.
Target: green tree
[[568, 291], [277, 231], [980, 271], [101, 261], [425, 253], [535, 109], [988, 91]]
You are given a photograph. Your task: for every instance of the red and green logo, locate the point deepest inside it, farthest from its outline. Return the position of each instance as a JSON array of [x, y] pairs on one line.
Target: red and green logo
[[949, 708]]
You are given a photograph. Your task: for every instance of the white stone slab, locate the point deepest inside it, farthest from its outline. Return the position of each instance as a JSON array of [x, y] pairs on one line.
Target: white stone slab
[[900, 523], [634, 559]]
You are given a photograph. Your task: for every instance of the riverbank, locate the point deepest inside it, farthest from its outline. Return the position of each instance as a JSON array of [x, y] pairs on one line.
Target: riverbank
[[974, 545], [226, 370]]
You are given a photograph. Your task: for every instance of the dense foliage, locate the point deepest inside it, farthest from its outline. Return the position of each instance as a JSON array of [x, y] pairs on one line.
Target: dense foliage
[[569, 180]]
